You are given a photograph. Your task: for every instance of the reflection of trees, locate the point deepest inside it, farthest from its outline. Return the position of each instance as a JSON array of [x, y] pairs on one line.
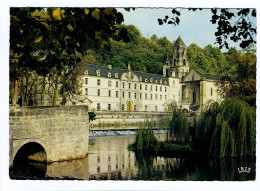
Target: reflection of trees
[[193, 168]]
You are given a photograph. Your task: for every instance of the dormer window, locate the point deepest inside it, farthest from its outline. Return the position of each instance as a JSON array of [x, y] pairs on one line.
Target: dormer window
[[86, 72], [116, 75], [98, 72], [146, 80], [151, 80], [160, 81], [156, 81], [109, 75], [140, 79]]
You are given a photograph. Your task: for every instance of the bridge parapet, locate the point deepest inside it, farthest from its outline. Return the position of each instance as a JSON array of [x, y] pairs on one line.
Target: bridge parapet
[[62, 131]]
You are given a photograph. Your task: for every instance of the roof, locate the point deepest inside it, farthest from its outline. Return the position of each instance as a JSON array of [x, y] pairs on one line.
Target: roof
[[210, 76], [179, 42], [104, 71]]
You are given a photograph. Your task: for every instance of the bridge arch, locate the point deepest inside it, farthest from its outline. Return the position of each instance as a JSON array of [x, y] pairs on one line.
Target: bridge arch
[[31, 151]]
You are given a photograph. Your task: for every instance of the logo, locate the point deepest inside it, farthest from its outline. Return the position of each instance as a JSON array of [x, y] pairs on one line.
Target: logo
[[244, 169]]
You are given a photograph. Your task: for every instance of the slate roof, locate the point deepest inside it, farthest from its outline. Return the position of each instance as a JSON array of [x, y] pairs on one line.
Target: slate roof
[[206, 75], [179, 42], [210, 76], [104, 70]]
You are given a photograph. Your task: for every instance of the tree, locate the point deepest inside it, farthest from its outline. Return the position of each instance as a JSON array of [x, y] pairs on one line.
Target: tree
[[56, 39], [239, 76], [236, 25]]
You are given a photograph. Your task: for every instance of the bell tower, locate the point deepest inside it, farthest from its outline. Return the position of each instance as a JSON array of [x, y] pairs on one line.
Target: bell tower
[[180, 64]]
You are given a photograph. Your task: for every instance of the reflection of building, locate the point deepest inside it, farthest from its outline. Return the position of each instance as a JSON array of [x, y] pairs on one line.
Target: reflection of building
[[117, 89]]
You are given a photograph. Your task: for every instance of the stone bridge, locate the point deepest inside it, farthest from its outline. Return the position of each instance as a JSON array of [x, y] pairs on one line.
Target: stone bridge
[[48, 134]]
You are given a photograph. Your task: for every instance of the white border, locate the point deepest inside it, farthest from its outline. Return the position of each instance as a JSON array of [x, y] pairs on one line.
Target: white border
[[8, 185]]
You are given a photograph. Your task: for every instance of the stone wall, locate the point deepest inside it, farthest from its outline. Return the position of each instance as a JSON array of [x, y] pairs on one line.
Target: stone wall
[[62, 131]]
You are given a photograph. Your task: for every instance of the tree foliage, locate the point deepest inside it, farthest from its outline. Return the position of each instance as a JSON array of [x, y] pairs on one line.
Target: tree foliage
[[178, 127], [144, 54], [55, 39], [226, 129], [237, 25]]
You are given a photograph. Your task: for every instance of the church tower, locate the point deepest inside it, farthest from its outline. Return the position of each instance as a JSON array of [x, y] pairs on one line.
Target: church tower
[[180, 64]]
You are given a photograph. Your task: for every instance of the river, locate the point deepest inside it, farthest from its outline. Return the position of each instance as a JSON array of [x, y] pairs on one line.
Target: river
[[109, 159]]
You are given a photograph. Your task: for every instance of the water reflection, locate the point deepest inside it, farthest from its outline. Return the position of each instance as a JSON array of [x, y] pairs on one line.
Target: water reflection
[[109, 159]]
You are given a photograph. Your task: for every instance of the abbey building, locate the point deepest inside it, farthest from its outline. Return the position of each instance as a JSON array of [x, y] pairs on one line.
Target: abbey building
[[114, 89]]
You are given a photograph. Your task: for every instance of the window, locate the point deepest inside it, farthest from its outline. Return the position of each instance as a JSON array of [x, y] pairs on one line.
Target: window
[[109, 75], [98, 72], [140, 86], [109, 83], [109, 93], [129, 86], [98, 106], [140, 79], [160, 88], [160, 96], [146, 107], [135, 86], [151, 80], [145, 95], [129, 94], [109, 107], [123, 84], [211, 91], [86, 72], [156, 108], [86, 80], [135, 95], [116, 93], [116, 75], [123, 107], [117, 84], [134, 107], [151, 88], [155, 88], [145, 87], [98, 82], [123, 94], [86, 91], [166, 97], [155, 96], [98, 92], [151, 97], [146, 80], [165, 89], [140, 95]]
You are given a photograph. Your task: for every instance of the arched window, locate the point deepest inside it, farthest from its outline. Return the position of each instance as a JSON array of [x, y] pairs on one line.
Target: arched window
[[184, 62]]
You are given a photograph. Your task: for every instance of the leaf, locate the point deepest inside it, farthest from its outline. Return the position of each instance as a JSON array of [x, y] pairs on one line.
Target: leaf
[[108, 11], [96, 14], [86, 11], [160, 21], [56, 14], [39, 39]]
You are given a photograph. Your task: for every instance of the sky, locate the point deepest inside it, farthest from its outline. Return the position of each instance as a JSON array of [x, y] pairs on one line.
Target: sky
[[194, 27]]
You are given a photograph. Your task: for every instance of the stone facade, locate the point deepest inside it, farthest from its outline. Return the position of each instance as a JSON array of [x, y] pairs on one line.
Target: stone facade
[[114, 89], [62, 131], [105, 88]]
